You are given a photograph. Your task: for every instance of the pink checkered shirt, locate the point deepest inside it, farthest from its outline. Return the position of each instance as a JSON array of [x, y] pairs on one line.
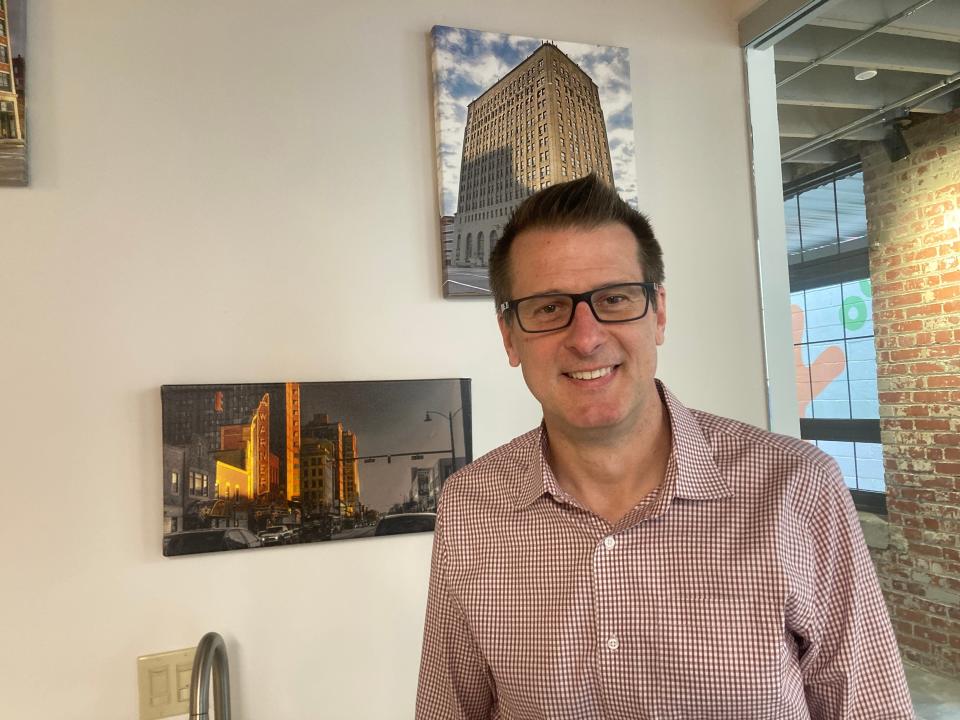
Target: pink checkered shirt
[[742, 589]]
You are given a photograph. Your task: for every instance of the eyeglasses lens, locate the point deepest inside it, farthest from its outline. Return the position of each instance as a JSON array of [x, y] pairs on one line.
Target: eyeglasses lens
[[619, 303]]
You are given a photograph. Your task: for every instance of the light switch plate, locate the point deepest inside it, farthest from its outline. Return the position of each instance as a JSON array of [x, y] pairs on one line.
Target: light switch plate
[[164, 681]]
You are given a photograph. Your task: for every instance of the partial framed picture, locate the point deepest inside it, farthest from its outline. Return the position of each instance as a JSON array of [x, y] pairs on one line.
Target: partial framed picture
[[514, 115], [13, 104], [268, 465]]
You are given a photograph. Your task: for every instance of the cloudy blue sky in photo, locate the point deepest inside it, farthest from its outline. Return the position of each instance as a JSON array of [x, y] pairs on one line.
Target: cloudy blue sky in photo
[[467, 62], [17, 19]]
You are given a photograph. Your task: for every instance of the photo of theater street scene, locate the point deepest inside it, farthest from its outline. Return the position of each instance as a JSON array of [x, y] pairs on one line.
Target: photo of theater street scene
[[258, 465]]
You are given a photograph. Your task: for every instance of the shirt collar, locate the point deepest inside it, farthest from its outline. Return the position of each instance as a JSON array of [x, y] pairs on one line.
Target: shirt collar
[[692, 472], [697, 474]]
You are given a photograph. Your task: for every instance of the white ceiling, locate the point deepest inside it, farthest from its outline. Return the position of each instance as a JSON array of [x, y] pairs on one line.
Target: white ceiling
[[913, 54]]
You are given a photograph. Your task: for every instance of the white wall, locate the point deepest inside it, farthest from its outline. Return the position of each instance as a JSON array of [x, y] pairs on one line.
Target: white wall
[[214, 183]]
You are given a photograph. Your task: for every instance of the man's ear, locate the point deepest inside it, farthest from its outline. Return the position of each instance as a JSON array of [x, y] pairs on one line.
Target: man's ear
[[506, 331], [661, 314]]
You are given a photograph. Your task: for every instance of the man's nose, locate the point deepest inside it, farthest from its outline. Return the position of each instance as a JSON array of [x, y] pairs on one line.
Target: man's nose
[[585, 333]]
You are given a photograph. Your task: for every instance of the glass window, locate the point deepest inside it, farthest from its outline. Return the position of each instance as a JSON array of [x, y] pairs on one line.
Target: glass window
[[860, 463], [851, 213], [833, 331], [818, 222]]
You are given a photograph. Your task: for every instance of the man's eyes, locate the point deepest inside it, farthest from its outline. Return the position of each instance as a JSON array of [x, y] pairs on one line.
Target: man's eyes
[[547, 306], [614, 299], [547, 309]]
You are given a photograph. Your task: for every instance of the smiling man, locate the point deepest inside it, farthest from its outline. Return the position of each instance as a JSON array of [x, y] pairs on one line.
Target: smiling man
[[632, 558]]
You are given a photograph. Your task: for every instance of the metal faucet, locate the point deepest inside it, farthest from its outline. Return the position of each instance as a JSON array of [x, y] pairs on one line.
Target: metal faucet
[[211, 659]]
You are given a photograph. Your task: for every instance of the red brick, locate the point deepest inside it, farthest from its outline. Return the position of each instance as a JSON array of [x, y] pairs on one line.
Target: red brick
[[915, 643], [915, 534], [925, 310], [929, 368], [951, 291], [911, 354], [943, 381], [934, 636], [947, 191], [926, 550], [938, 208]]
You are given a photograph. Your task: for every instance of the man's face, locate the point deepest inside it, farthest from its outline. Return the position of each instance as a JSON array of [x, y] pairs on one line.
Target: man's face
[[574, 261]]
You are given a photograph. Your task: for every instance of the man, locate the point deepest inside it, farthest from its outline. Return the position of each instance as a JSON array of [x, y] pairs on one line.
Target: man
[[632, 558]]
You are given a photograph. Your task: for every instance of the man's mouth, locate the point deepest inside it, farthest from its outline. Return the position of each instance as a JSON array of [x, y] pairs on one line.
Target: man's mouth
[[591, 374]]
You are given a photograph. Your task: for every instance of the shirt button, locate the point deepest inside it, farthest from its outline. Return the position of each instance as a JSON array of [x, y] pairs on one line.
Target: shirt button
[[613, 643], [609, 542]]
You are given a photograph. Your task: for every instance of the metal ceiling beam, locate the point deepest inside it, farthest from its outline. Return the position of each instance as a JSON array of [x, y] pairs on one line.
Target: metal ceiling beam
[[798, 121], [775, 19], [937, 90], [832, 86], [881, 52], [855, 40], [826, 155], [940, 21]]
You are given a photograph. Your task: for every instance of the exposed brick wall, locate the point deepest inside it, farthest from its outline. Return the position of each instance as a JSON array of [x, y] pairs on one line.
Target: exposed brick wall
[[913, 220]]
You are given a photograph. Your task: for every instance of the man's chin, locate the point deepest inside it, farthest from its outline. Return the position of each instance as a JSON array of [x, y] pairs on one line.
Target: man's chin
[[592, 423]]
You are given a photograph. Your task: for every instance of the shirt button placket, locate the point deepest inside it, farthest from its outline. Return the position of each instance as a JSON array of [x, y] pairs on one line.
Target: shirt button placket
[[606, 567]]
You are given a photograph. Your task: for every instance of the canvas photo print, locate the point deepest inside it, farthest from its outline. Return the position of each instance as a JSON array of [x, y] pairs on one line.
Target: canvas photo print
[[13, 127], [514, 115], [266, 465]]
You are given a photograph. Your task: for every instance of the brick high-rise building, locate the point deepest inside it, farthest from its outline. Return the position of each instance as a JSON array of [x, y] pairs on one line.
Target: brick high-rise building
[[540, 124], [10, 115], [292, 417], [351, 473]]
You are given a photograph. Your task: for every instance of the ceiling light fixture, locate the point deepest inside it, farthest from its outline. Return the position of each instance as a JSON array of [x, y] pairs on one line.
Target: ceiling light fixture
[[864, 73]]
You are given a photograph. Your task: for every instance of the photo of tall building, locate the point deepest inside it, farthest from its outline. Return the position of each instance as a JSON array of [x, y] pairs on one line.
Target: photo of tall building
[[256, 465], [544, 120], [13, 161]]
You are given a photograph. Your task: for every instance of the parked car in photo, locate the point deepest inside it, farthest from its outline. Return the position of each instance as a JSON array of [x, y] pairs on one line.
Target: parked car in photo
[[275, 535], [200, 541], [316, 530], [406, 523]]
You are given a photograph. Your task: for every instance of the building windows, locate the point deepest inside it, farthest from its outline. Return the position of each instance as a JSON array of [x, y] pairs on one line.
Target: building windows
[[3, 54], [198, 483], [833, 337], [175, 482], [5, 81]]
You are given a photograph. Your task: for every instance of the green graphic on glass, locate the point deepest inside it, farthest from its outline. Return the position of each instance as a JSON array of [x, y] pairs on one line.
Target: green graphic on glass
[[853, 313]]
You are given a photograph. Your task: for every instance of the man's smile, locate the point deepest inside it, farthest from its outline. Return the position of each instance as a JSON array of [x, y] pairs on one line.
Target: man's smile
[[591, 374]]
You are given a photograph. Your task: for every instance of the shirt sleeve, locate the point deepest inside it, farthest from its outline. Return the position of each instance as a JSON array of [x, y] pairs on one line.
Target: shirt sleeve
[[851, 666], [455, 681]]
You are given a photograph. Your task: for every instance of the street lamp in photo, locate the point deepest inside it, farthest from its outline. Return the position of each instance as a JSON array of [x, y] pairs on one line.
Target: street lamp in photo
[[449, 416]]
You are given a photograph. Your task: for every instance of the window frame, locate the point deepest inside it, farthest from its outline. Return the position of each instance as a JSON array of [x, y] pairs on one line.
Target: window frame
[[820, 272]]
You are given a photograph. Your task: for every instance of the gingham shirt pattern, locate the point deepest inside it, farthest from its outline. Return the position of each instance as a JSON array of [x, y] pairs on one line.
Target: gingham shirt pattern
[[741, 589]]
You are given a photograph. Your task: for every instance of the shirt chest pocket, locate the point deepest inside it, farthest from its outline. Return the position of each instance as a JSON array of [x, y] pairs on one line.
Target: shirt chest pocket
[[714, 656]]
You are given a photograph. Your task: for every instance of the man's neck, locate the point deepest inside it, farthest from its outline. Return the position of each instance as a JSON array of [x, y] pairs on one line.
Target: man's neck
[[609, 474]]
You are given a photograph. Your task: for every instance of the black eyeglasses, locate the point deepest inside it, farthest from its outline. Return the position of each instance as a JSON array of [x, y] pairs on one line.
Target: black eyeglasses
[[609, 304]]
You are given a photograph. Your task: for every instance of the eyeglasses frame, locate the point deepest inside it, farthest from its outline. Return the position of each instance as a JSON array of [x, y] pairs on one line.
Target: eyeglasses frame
[[577, 298]]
